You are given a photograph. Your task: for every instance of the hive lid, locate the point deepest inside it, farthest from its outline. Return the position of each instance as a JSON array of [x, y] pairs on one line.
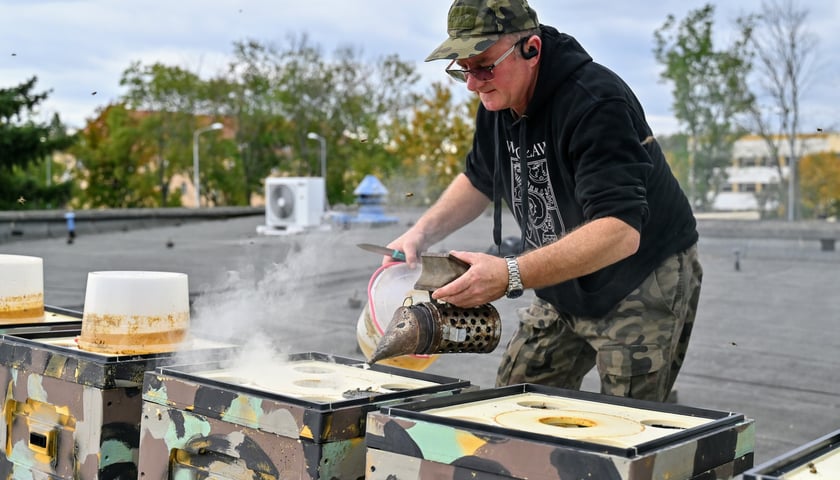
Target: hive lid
[[463, 412], [418, 430], [56, 319], [211, 390], [55, 354], [813, 461]]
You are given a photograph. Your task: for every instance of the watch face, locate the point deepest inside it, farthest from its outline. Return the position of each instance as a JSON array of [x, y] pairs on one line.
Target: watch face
[[516, 293]]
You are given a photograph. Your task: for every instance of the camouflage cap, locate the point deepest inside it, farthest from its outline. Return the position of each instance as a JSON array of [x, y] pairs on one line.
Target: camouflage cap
[[475, 25]]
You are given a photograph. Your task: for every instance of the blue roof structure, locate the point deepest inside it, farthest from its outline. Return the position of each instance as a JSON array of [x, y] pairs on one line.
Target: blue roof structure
[[370, 185]]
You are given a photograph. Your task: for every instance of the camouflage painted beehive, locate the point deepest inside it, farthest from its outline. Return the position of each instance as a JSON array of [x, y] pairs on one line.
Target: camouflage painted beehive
[[530, 432], [68, 413], [305, 421], [815, 460]]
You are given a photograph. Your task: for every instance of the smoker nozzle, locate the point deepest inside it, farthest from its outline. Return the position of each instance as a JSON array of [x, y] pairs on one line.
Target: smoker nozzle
[[431, 327]]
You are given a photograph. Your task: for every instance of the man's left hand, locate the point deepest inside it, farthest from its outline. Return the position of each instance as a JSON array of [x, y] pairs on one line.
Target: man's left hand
[[486, 280]]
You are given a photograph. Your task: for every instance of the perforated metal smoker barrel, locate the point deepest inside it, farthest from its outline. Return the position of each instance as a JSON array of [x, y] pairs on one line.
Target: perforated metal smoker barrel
[[431, 327]]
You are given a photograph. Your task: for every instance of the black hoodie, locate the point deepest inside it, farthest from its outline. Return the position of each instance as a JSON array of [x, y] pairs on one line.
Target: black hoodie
[[590, 154]]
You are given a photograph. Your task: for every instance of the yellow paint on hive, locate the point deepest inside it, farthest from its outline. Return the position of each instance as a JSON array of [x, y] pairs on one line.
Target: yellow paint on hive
[[55, 367], [469, 443]]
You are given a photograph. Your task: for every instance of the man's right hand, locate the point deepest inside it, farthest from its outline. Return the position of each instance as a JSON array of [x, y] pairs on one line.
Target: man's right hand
[[410, 243]]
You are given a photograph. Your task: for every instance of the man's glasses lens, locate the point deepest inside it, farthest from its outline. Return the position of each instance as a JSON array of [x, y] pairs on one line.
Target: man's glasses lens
[[479, 73]]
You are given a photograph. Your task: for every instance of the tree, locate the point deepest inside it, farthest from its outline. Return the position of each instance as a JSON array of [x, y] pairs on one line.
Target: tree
[[786, 52], [432, 146], [23, 144], [368, 99], [271, 99], [820, 182], [279, 95], [250, 93], [710, 91], [675, 148], [168, 98], [113, 152]]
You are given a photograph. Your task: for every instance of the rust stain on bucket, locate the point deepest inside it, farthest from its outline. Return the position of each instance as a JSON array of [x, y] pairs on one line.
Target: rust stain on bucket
[[135, 312], [133, 334], [22, 307]]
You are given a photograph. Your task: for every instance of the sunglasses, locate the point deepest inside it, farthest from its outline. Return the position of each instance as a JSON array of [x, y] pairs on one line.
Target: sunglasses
[[479, 73]]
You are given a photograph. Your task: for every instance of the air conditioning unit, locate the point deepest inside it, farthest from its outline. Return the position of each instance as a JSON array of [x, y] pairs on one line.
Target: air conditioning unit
[[294, 202]]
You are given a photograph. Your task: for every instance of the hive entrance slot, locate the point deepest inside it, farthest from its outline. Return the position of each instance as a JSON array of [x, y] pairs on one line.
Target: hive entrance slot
[[38, 440], [568, 422]]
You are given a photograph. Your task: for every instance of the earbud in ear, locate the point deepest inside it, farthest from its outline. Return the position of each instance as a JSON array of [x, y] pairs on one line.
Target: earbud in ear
[[531, 53]]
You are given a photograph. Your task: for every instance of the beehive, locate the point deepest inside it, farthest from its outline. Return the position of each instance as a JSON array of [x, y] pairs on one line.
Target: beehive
[[70, 413], [305, 420], [530, 431], [815, 460]]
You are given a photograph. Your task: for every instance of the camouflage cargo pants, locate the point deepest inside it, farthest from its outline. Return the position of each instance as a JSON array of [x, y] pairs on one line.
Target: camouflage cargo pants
[[638, 347]]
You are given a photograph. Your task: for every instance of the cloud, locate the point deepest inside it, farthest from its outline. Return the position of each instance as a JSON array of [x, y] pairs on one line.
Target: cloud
[[79, 46]]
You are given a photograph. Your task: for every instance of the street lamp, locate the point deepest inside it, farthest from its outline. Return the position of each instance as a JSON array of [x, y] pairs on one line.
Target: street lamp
[[214, 126], [315, 136], [793, 177], [48, 162]]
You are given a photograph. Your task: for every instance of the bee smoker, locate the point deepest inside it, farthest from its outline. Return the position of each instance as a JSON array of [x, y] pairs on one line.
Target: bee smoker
[[435, 327]]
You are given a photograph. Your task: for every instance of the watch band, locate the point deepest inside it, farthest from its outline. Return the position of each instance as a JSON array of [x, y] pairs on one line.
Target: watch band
[[514, 288]]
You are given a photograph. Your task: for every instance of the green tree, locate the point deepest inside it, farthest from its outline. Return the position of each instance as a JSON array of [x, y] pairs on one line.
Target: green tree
[[278, 96], [433, 145], [112, 151], [167, 98], [710, 93], [271, 100], [246, 94], [370, 98], [25, 147], [820, 184], [675, 148]]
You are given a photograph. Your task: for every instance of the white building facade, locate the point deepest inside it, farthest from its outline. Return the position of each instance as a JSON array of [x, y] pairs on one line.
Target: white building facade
[[753, 170]]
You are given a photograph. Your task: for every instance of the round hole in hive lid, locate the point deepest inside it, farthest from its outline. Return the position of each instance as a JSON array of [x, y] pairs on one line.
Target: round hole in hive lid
[[667, 424], [396, 387], [568, 422], [313, 369], [313, 383], [538, 405]]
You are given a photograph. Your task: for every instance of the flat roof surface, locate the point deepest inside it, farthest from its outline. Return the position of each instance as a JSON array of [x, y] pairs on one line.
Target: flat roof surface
[[765, 343]]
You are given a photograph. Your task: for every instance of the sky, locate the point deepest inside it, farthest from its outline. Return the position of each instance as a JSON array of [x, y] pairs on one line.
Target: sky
[[78, 49]]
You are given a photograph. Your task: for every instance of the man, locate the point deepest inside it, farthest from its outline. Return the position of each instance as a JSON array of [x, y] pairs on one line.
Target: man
[[608, 236]]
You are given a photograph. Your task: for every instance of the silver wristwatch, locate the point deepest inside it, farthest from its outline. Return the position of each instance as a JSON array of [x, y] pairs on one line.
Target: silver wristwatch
[[514, 288]]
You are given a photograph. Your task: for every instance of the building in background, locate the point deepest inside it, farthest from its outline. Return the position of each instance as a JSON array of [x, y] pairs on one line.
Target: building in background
[[753, 171]]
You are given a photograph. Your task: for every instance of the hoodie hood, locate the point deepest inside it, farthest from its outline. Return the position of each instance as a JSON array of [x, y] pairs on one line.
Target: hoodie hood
[[562, 55]]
